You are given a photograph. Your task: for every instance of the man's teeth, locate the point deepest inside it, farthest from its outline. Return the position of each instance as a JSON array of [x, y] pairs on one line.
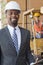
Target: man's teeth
[[13, 19]]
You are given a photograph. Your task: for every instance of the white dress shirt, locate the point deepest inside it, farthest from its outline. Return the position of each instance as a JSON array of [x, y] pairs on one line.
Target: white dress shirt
[[11, 29]]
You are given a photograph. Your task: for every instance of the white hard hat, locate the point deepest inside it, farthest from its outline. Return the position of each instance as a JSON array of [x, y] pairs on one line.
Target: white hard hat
[[41, 10], [12, 5]]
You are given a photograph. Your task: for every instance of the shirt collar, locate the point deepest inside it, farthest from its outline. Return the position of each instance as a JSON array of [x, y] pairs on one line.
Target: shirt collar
[[12, 28]]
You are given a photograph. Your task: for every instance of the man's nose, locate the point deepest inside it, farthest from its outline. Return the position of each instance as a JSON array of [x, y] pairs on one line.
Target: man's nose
[[13, 15]]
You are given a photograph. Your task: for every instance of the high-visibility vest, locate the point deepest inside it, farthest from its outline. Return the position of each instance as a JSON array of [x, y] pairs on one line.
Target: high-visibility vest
[[37, 27]]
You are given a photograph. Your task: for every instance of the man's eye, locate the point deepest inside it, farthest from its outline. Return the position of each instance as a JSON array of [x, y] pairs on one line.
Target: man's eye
[[10, 13]]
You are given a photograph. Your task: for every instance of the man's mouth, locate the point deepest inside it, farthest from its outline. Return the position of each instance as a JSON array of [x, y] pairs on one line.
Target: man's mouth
[[13, 20]]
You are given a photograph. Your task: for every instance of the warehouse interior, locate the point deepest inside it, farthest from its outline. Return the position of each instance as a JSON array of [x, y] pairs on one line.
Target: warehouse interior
[[27, 7]]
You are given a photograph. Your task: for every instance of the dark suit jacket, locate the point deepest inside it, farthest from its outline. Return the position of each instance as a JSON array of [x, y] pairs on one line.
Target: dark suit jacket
[[8, 54]]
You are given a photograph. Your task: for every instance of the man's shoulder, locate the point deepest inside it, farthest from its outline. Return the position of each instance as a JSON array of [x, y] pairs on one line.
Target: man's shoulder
[[24, 29], [2, 30], [25, 32]]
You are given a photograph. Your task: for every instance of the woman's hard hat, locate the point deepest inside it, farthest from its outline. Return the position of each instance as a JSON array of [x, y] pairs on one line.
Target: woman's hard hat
[[37, 14], [12, 5]]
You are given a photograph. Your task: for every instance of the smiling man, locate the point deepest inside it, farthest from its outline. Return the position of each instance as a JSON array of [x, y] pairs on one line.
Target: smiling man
[[14, 40]]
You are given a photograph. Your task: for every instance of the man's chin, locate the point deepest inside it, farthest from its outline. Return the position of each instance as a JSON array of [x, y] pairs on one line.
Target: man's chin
[[14, 23]]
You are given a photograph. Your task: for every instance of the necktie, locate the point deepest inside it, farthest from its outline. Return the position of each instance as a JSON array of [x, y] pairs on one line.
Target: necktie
[[15, 40]]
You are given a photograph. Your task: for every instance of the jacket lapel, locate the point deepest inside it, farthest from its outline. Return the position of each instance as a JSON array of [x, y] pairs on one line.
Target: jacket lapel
[[22, 39], [8, 36]]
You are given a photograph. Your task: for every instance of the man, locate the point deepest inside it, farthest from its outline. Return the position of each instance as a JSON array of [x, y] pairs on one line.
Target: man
[[10, 52], [37, 25]]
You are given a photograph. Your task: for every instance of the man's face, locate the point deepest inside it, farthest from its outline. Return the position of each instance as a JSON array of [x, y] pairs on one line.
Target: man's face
[[12, 17]]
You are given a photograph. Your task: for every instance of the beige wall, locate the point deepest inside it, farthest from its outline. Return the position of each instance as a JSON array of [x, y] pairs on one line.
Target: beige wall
[[34, 4]]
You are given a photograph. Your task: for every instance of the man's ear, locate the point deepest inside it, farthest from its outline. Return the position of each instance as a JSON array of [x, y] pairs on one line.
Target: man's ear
[[5, 14], [18, 15]]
